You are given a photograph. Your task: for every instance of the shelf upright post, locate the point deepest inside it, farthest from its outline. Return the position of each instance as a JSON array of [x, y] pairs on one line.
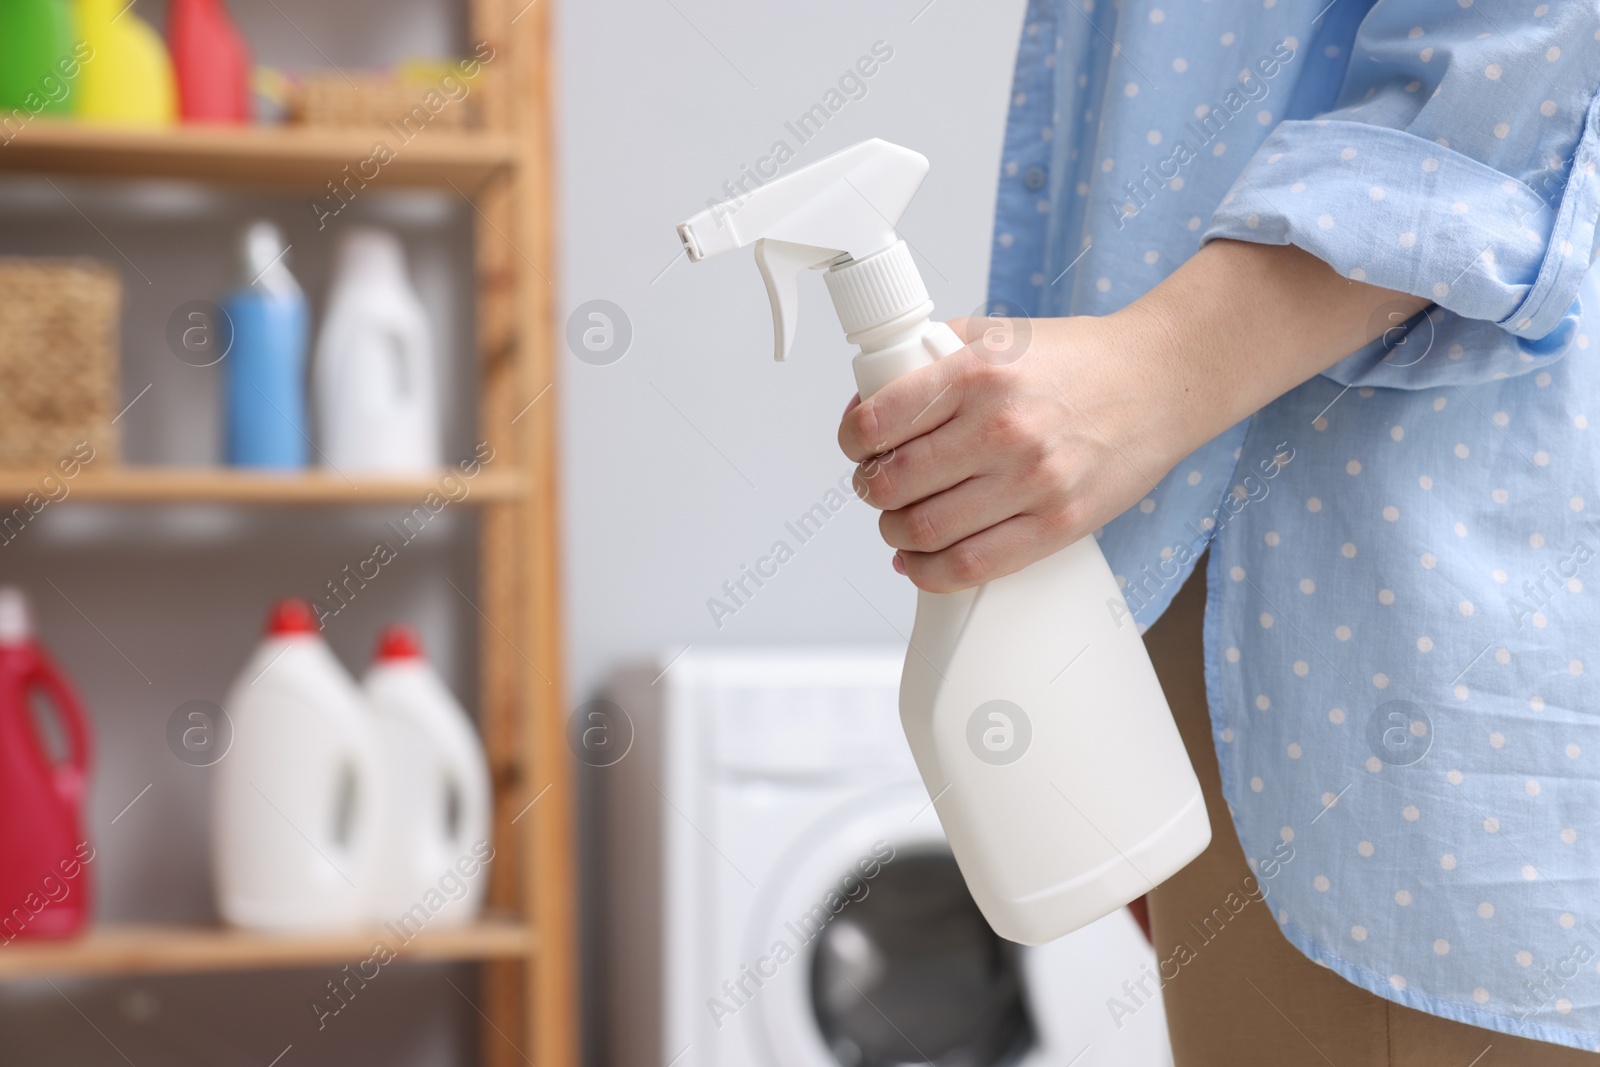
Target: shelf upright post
[[533, 1003]]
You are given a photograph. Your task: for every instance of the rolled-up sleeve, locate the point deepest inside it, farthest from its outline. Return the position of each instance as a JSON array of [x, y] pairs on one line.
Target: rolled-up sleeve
[[1459, 163]]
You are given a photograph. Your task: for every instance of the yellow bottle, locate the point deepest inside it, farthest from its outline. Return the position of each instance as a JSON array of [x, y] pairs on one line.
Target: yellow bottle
[[129, 81]]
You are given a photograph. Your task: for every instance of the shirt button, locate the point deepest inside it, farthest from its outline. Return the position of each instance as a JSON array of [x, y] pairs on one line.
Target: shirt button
[[1033, 177]]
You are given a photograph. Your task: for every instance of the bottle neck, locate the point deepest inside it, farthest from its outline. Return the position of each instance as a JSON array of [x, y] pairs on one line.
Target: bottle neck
[[892, 349]]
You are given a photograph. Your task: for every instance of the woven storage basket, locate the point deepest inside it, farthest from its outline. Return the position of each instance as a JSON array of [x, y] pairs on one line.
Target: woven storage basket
[[58, 359], [369, 101]]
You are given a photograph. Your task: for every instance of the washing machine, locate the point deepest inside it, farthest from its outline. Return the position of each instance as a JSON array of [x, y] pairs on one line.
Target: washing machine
[[775, 889]]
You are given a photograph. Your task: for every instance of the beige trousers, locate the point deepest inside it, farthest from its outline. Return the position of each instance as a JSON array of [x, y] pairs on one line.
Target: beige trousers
[[1249, 998]]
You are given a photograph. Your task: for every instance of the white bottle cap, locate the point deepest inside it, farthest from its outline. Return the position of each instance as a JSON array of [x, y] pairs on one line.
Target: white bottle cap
[[262, 251], [16, 622], [876, 290], [365, 252]]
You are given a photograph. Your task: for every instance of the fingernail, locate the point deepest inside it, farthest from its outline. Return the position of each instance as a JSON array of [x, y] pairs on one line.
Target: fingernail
[[899, 564]]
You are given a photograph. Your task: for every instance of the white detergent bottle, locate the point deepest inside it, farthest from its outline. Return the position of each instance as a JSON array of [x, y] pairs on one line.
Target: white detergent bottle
[[297, 819], [437, 805], [1030, 703], [376, 388]]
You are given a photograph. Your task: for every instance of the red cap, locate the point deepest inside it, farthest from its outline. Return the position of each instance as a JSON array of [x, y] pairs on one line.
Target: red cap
[[291, 616], [399, 642]]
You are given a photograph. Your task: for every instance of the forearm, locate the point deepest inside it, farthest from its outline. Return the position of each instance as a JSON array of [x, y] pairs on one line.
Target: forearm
[[1240, 324]]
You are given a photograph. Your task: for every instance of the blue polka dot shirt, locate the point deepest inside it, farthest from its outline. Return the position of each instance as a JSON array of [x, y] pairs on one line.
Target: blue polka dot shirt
[[1403, 626]]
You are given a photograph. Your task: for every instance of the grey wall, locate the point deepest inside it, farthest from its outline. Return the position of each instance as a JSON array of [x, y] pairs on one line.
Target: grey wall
[[684, 459]]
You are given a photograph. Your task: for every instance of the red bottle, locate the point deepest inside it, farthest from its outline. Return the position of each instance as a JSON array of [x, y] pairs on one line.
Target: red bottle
[[211, 60], [44, 878]]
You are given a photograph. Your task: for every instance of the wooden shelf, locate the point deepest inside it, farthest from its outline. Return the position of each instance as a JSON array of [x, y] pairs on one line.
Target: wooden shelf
[[139, 950], [271, 156], [528, 987], [220, 485]]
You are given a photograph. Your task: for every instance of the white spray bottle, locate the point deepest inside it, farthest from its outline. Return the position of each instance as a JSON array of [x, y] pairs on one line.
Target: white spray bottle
[[1030, 704]]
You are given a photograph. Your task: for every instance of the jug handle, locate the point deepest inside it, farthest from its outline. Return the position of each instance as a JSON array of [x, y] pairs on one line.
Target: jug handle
[[474, 811], [412, 348], [70, 775], [368, 800]]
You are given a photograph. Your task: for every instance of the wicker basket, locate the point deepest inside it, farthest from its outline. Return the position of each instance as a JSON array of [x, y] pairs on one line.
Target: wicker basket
[[59, 375], [376, 100]]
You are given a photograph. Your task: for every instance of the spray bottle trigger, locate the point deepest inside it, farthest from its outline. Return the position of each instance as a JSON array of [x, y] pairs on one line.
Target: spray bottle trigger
[[780, 263]]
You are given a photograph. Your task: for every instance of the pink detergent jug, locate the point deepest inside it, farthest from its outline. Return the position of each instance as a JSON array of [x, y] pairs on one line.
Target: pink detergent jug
[[44, 884]]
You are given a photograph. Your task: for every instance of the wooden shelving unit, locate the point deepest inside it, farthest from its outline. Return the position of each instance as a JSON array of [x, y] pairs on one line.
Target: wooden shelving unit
[[154, 949], [265, 157], [205, 485], [528, 949]]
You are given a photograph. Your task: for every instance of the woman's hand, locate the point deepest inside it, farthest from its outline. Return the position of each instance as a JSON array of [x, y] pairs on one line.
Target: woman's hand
[[1041, 431], [1034, 435]]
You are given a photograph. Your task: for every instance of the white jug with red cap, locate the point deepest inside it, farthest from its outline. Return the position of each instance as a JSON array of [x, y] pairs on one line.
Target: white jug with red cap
[[436, 837], [299, 792]]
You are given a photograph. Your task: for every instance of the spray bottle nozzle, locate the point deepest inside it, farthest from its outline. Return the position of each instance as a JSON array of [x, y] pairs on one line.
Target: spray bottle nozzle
[[834, 213], [686, 235]]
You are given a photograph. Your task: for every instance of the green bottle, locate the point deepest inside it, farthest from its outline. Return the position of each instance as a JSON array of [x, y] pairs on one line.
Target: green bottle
[[35, 58]]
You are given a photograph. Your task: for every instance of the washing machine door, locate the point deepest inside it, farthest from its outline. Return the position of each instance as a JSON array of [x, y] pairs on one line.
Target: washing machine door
[[894, 963]]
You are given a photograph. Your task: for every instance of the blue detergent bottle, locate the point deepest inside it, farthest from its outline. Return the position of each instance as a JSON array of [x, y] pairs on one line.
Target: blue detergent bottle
[[265, 375]]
